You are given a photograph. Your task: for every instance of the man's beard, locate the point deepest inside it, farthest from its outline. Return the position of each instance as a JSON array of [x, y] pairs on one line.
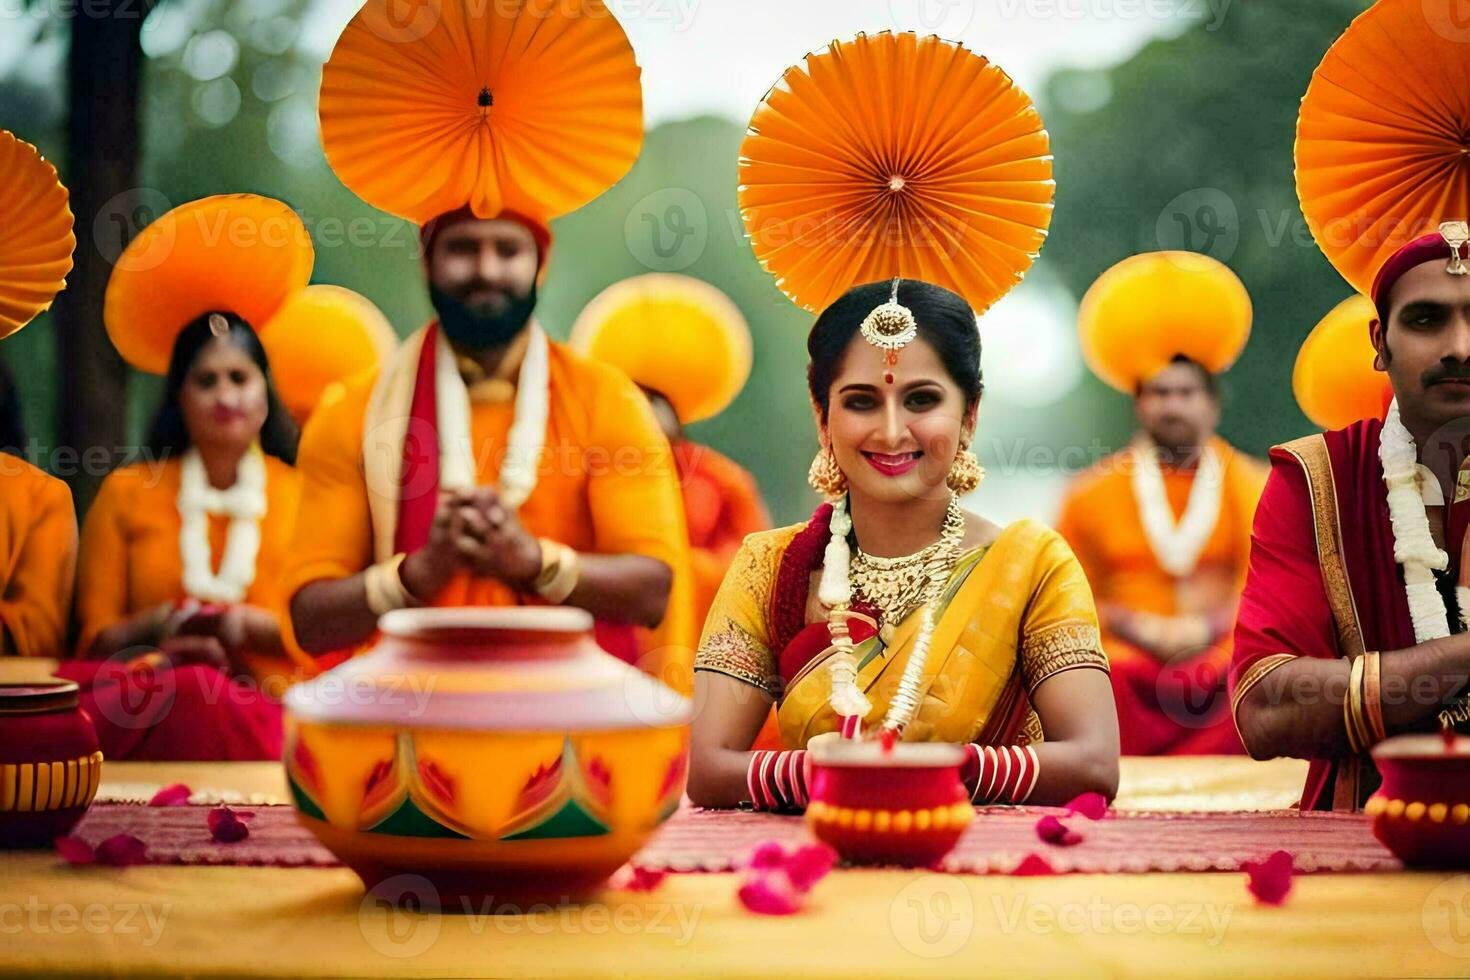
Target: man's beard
[[475, 328]]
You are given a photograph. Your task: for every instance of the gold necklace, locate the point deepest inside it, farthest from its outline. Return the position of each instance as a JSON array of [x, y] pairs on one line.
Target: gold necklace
[[898, 586]]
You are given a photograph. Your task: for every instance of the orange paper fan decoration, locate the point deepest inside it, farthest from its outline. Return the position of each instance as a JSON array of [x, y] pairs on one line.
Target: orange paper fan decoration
[[678, 336], [896, 155], [233, 253], [1153, 307], [1383, 137], [321, 335], [534, 106], [36, 240], [1334, 379]]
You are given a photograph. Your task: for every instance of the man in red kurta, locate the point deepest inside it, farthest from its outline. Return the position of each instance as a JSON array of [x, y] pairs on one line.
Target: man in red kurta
[[1331, 654]]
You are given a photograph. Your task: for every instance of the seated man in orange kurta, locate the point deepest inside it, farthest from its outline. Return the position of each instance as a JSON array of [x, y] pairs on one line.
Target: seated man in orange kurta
[[1162, 529], [486, 465]]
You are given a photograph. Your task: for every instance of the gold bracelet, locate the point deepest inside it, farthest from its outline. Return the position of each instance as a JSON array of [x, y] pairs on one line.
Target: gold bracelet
[[1373, 696], [384, 586], [560, 571], [1350, 705]]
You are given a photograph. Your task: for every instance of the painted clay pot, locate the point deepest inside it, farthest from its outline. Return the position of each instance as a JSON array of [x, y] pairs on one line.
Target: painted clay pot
[[49, 762], [906, 806], [499, 754], [1421, 812]]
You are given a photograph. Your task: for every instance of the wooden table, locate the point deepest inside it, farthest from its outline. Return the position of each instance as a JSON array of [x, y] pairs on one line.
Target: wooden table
[[283, 922]]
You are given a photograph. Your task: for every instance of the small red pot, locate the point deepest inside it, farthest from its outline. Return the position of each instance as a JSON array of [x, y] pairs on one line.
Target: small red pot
[[906, 806], [49, 762], [1422, 811]]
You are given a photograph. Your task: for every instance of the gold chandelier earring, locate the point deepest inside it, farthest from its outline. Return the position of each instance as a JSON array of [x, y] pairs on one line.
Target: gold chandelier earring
[[825, 476], [965, 473]]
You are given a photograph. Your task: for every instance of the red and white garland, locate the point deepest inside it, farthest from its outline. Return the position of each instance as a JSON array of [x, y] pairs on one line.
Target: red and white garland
[[1413, 542]]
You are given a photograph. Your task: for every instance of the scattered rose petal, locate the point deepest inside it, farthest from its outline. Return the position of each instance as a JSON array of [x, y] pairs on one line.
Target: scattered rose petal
[[768, 855], [769, 894], [122, 850], [226, 827], [1033, 865], [1053, 831], [1269, 880], [808, 865], [75, 850], [175, 795], [1091, 805], [631, 879]]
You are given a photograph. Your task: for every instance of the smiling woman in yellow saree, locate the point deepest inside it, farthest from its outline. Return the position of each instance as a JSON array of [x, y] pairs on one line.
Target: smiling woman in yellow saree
[[1011, 663]]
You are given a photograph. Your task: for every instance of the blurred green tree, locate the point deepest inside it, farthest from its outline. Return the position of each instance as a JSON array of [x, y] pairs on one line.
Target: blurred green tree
[[1189, 145]]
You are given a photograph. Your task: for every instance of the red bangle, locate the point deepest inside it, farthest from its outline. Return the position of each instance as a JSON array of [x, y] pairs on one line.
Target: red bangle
[[1004, 774], [777, 780]]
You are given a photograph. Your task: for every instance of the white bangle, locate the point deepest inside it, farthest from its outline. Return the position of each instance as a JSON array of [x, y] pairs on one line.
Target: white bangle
[[384, 586]]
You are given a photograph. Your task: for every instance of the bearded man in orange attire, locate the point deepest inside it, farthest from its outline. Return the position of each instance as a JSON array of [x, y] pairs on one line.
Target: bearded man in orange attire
[[1162, 529]]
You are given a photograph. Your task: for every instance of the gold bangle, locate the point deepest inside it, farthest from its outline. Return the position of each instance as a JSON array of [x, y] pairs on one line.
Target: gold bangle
[[1349, 706], [1373, 697]]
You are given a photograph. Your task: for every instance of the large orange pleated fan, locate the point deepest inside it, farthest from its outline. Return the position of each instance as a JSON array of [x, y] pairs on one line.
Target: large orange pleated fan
[[233, 253], [1334, 379], [1153, 307], [36, 239], [534, 106], [1383, 137], [896, 155], [323, 334], [678, 336]]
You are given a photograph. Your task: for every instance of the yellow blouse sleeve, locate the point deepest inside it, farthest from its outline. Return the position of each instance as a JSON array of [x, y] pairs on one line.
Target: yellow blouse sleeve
[[736, 640], [102, 576], [1059, 630], [37, 600]]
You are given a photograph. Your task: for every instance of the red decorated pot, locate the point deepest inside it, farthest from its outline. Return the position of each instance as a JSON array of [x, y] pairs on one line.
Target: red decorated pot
[[1421, 812], [49, 762], [904, 806], [498, 754]]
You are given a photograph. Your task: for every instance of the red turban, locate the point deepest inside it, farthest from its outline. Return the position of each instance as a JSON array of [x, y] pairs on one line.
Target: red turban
[[1430, 248], [539, 230]]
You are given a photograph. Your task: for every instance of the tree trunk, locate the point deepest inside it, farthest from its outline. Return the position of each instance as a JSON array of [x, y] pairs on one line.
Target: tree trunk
[[105, 76]]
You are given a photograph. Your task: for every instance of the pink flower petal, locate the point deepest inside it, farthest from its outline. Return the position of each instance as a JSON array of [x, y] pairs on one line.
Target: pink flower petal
[[632, 879], [75, 850], [1033, 865], [809, 864], [1269, 880], [1091, 805], [175, 795], [226, 827], [769, 894], [1053, 831], [122, 850], [768, 855]]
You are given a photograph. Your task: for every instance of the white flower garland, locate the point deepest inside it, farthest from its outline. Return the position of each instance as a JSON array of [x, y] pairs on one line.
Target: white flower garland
[[1177, 546], [836, 593], [527, 438], [1413, 542], [244, 503]]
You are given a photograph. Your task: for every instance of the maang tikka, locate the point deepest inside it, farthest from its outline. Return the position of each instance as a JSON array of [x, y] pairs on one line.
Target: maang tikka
[[890, 327]]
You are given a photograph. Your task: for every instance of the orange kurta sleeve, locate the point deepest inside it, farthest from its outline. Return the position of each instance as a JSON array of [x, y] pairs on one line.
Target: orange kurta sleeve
[[102, 576], [333, 536], [41, 554], [637, 509]]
